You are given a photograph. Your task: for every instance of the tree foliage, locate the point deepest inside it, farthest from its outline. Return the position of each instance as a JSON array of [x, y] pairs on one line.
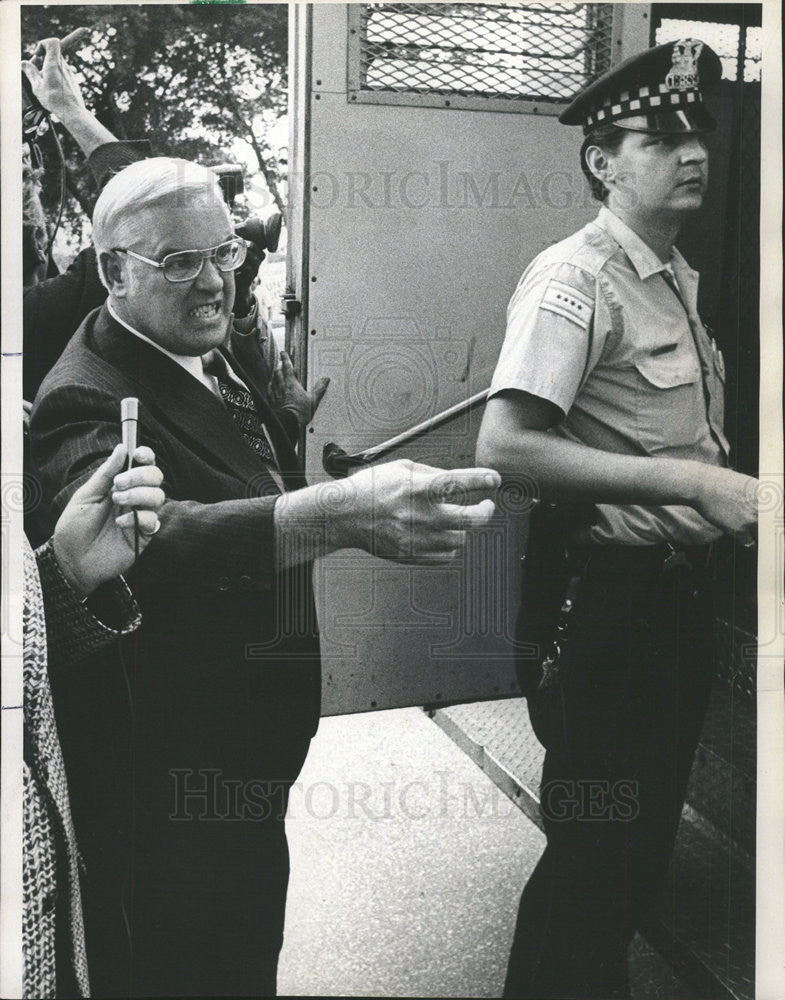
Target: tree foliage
[[190, 78]]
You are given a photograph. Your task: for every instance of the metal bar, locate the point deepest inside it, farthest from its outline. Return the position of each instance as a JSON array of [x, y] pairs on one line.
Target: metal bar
[[337, 463], [425, 425]]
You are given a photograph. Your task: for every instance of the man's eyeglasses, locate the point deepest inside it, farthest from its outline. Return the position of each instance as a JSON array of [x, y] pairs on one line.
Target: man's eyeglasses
[[185, 265]]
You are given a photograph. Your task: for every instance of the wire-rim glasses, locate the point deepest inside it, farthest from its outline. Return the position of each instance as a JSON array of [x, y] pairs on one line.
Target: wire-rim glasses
[[185, 265]]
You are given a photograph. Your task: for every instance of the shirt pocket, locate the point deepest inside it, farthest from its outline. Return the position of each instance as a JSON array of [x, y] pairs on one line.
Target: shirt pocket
[[670, 405]]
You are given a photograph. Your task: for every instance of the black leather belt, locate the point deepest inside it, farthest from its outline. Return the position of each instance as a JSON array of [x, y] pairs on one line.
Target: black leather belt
[[664, 558]]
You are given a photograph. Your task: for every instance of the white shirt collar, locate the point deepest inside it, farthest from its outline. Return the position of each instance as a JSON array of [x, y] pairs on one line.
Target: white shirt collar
[[193, 365], [642, 257]]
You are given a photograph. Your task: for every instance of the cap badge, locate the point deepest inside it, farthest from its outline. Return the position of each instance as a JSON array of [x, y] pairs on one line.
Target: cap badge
[[683, 74]]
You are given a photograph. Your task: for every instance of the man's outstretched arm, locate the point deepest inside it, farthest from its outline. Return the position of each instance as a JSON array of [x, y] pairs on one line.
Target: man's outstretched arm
[[398, 511]]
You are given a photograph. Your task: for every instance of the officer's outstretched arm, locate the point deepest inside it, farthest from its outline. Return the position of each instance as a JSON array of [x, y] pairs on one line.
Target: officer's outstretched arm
[[513, 440]]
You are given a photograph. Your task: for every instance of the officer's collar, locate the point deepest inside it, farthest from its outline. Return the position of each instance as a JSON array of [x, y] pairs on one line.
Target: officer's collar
[[642, 257]]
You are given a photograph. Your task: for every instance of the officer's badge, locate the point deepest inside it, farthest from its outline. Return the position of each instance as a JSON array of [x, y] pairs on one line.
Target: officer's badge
[[683, 74]]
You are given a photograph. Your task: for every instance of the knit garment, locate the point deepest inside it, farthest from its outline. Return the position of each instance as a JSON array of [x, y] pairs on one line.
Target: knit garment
[[58, 627]]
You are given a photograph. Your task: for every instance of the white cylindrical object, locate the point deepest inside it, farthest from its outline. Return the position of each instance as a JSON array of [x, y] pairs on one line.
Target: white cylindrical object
[[129, 415]]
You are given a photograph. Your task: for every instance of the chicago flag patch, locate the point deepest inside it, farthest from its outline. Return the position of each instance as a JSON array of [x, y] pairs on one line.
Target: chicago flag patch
[[568, 302]]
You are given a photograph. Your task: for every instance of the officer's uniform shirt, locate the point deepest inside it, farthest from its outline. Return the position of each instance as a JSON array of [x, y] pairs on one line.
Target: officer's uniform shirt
[[599, 327]]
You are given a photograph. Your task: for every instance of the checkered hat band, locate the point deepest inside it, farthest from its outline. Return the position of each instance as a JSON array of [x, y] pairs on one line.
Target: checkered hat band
[[643, 101]]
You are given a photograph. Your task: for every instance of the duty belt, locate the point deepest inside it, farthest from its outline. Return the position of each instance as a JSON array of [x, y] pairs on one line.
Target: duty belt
[[666, 558]]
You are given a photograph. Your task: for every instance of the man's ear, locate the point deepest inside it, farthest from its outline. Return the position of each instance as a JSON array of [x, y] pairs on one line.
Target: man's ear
[[598, 163], [112, 268]]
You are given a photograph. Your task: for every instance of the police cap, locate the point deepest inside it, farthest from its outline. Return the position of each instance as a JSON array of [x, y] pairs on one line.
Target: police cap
[[659, 90]]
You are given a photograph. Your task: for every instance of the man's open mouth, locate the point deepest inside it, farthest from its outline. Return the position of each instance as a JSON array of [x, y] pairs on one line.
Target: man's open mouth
[[206, 311]]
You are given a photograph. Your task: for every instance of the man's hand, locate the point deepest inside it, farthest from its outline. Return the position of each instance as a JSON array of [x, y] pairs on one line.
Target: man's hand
[[286, 391], [52, 80], [54, 84], [411, 513], [94, 538], [729, 500], [401, 511]]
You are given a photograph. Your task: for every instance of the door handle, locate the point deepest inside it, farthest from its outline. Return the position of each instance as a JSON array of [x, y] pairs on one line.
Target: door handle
[[337, 463]]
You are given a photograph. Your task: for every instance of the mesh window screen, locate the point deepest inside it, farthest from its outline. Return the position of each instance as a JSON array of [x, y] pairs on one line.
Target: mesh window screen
[[534, 52]]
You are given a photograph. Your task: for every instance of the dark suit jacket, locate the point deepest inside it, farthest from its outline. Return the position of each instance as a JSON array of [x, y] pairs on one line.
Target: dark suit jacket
[[223, 675], [207, 585]]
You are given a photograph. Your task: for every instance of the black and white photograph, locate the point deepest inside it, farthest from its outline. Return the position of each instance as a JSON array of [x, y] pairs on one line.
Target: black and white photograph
[[393, 524]]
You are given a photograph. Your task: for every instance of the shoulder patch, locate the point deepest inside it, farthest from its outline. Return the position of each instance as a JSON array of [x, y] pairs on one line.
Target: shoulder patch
[[566, 301]]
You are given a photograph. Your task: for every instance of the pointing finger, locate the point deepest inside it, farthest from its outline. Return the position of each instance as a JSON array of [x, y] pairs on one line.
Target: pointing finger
[[461, 484], [74, 39]]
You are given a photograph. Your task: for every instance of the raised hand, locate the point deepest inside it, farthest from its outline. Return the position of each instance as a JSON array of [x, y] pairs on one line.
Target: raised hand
[[286, 391], [52, 80]]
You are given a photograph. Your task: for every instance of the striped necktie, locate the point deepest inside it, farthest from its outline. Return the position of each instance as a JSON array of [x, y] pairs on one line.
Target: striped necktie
[[239, 402]]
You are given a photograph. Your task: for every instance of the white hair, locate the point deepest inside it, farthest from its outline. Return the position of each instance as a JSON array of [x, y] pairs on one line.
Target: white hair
[[143, 185]]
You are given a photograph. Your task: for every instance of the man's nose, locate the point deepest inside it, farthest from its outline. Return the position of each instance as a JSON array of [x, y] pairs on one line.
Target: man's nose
[[694, 150], [210, 277]]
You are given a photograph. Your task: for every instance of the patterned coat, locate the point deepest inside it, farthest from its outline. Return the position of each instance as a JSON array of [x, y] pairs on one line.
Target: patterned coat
[[58, 629]]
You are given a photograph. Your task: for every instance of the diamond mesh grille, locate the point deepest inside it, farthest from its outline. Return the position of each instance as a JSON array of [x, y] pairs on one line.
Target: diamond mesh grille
[[538, 51]]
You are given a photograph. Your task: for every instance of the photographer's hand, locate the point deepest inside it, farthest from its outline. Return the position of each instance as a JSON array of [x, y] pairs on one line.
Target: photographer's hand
[[54, 84], [245, 279]]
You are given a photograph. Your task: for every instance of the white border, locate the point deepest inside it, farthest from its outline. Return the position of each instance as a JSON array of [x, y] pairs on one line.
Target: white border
[[770, 936]]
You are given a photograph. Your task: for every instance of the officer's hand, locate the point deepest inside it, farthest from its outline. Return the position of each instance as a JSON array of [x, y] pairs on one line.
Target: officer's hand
[[412, 513], [287, 391], [52, 81], [729, 500]]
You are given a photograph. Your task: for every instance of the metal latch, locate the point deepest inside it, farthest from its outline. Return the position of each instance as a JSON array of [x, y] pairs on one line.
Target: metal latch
[[291, 306]]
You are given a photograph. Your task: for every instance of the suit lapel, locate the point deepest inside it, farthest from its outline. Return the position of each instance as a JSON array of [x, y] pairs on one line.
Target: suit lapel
[[175, 397]]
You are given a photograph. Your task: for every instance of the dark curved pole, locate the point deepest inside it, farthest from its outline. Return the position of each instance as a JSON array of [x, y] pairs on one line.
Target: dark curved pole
[[338, 464]]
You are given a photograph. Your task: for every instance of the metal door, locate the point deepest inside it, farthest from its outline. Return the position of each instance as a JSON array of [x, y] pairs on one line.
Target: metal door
[[422, 185]]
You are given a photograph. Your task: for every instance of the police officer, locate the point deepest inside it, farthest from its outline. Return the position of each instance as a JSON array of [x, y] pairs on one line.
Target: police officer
[[608, 394]]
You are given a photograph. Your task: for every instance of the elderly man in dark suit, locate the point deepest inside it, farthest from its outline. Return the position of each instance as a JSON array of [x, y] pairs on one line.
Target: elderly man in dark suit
[[182, 753]]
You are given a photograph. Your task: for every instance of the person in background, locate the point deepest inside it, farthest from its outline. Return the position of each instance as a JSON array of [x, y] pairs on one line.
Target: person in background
[[75, 601], [609, 395], [55, 304]]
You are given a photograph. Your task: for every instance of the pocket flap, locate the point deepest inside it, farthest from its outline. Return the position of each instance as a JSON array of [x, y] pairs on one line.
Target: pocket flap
[[665, 371]]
